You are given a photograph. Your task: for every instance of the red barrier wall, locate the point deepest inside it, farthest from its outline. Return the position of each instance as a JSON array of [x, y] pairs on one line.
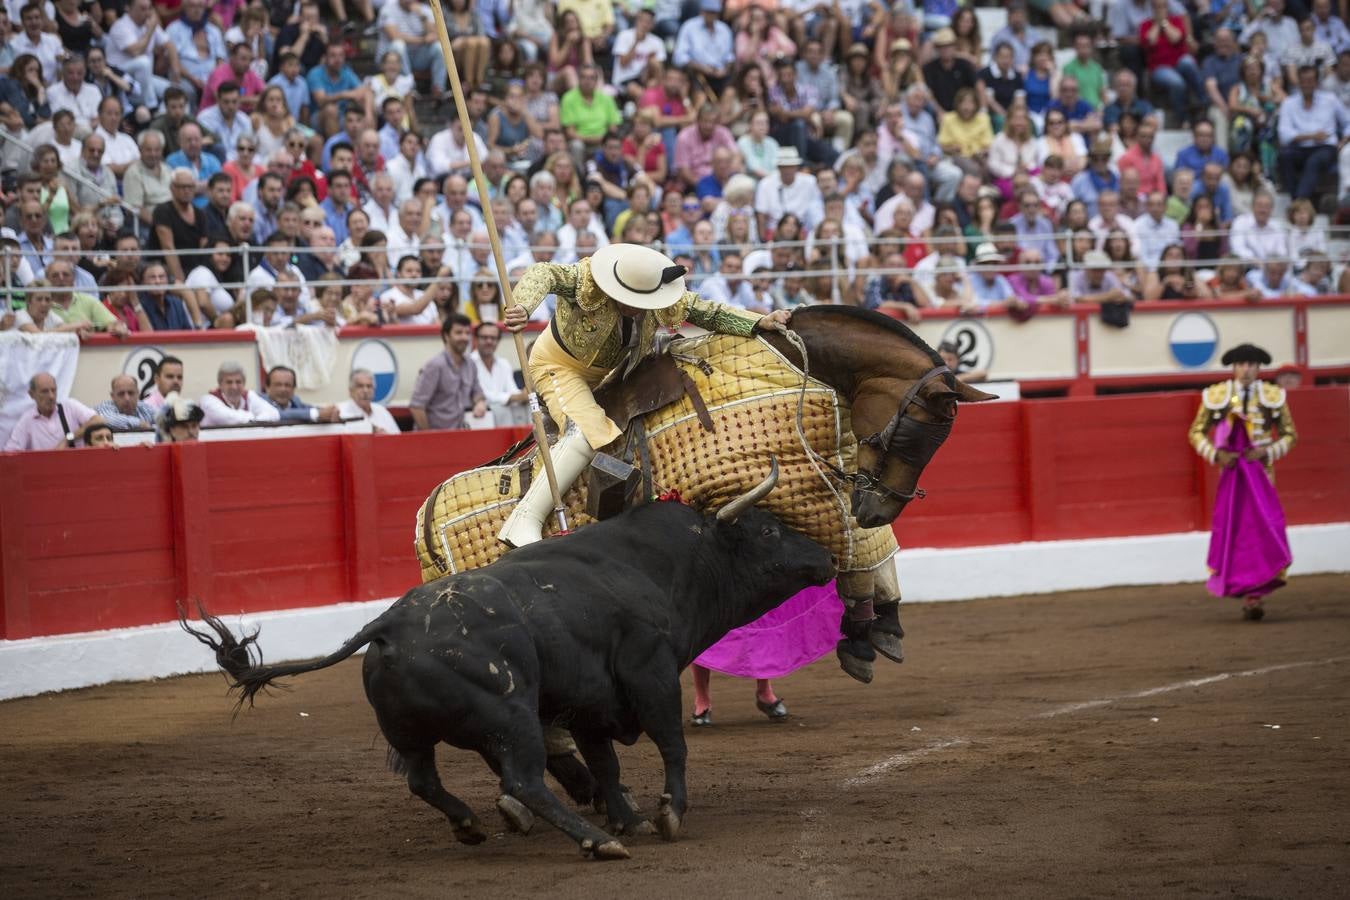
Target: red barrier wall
[[92, 540]]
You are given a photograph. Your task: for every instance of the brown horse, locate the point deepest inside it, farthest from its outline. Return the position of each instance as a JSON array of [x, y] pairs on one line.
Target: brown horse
[[888, 388]]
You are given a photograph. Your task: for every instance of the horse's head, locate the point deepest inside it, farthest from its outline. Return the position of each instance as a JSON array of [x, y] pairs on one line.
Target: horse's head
[[903, 400], [900, 424]]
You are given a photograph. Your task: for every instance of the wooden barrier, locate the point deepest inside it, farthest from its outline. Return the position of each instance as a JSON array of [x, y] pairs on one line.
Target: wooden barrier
[[93, 539]]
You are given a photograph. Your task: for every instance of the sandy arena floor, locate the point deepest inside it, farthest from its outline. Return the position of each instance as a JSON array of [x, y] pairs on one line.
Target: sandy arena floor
[[1142, 742]]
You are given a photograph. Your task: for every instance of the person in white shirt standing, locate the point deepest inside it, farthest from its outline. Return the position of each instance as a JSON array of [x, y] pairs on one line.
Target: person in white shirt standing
[[1154, 231], [46, 47], [232, 403], [634, 49], [505, 399], [72, 92], [362, 405], [134, 43], [1255, 235]]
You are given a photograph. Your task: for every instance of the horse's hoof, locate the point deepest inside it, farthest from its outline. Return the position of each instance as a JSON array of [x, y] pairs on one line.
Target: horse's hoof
[[858, 667], [470, 832], [518, 818], [667, 820], [888, 645], [611, 850]]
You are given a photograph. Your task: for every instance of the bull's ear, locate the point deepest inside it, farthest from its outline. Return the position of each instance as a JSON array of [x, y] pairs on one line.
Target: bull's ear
[[964, 393]]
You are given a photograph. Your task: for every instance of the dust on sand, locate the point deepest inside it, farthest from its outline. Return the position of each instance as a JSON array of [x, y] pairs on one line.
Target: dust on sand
[[1024, 749]]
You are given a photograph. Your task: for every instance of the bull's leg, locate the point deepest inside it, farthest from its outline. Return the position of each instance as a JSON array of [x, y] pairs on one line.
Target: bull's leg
[[657, 701], [522, 764], [425, 782], [621, 814], [886, 631]]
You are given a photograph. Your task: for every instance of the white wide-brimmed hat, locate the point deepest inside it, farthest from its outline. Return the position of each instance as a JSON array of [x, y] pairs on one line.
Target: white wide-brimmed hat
[[638, 276], [788, 156], [987, 253]]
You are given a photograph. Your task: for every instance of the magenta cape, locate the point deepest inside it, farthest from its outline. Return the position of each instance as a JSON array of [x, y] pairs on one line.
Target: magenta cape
[[1248, 548], [783, 640]]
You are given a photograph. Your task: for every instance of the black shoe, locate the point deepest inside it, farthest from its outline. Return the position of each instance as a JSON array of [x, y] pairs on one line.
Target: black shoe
[[776, 711], [701, 719]]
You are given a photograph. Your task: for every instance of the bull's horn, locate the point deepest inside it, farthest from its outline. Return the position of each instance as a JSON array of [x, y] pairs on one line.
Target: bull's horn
[[732, 511]]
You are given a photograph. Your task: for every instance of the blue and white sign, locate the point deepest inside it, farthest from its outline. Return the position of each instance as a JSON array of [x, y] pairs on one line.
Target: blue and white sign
[[1193, 338], [378, 357]]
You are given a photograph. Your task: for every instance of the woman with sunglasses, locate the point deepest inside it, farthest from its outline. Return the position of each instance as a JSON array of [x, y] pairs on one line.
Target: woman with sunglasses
[[243, 168], [1059, 141]]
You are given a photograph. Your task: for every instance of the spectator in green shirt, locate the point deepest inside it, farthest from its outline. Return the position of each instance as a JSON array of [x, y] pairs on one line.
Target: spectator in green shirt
[[587, 114], [1090, 74], [75, 307]]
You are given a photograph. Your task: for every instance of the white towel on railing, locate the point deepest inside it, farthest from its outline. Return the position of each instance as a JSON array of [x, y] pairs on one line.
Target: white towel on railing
[[310, 351], [23, 355]]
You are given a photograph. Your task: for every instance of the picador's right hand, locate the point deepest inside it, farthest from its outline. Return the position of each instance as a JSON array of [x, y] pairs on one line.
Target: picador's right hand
[[515, 318]]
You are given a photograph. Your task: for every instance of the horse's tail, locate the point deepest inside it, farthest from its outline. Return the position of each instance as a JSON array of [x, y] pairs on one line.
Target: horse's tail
[[241, 658]]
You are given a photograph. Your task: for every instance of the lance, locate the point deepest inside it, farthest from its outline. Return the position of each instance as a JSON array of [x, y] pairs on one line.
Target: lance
[[476, 165]]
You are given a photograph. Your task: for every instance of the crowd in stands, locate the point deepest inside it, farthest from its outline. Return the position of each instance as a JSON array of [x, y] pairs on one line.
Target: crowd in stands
[[179, 164]]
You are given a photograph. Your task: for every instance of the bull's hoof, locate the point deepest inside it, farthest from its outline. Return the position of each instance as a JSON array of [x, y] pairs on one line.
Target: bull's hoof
[[605, 850], [856, 658], [470, 832], [611, 850], [518, 818], [667, 820], [639, 828]]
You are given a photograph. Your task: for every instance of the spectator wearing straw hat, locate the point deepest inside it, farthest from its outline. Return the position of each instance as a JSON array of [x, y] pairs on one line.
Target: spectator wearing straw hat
[[1095, 283], [987, 285], [945, 75], [788, 190]]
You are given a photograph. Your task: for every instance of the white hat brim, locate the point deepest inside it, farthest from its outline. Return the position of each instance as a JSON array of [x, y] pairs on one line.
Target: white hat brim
[[604, 265]]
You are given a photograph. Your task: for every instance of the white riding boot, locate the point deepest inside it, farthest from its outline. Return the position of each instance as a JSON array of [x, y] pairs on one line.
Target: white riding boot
[[571, 455]]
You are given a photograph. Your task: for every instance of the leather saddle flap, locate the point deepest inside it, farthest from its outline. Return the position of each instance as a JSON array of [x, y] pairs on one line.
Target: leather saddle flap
[[654, 383]]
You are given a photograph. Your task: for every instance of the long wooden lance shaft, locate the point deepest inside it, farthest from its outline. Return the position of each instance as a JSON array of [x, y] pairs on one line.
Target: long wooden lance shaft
[[503, 279]]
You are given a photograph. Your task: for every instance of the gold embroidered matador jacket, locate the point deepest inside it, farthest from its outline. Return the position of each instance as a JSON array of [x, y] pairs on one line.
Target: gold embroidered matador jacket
[[1262, 409], [587, 320]]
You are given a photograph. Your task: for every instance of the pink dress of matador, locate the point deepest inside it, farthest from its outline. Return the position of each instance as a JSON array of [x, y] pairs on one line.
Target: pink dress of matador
[[1248, 548]]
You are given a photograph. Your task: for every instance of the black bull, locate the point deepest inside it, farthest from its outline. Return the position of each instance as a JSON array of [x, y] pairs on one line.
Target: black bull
[[589, 631]]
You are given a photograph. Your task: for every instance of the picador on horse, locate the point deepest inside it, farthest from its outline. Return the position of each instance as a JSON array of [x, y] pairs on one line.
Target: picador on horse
[[752, 390]]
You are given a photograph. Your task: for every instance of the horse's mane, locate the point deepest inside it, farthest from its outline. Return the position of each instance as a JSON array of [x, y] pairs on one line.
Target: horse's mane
[[872, 318]]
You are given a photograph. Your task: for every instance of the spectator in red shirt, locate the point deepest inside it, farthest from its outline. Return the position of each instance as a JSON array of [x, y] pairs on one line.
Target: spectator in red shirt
[[239, 69], [1167, 44], [1143, 159]]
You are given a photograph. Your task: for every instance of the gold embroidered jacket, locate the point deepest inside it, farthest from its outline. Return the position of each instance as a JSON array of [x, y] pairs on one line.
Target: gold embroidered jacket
[[1266, 416], [588, 320]]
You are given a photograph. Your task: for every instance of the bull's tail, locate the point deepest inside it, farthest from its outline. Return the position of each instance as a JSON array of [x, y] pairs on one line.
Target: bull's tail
[[241, 658]]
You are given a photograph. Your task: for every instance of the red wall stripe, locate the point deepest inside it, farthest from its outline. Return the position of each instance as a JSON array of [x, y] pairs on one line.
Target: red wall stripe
[[92, 540]]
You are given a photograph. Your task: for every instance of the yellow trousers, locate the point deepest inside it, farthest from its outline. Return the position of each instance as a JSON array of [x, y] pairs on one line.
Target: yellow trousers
[[565, 385]]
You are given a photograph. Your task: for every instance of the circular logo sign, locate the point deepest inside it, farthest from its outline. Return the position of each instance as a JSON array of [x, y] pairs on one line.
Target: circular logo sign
[[1193, 339], [141, 364], [375, 355], [974, 345]]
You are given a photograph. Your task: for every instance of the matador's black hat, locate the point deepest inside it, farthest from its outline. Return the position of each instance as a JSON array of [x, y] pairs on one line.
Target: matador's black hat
[[1246, 353]]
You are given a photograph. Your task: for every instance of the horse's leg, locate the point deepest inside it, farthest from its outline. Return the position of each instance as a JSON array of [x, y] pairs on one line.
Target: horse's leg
[[855, 652], [886, 631]]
